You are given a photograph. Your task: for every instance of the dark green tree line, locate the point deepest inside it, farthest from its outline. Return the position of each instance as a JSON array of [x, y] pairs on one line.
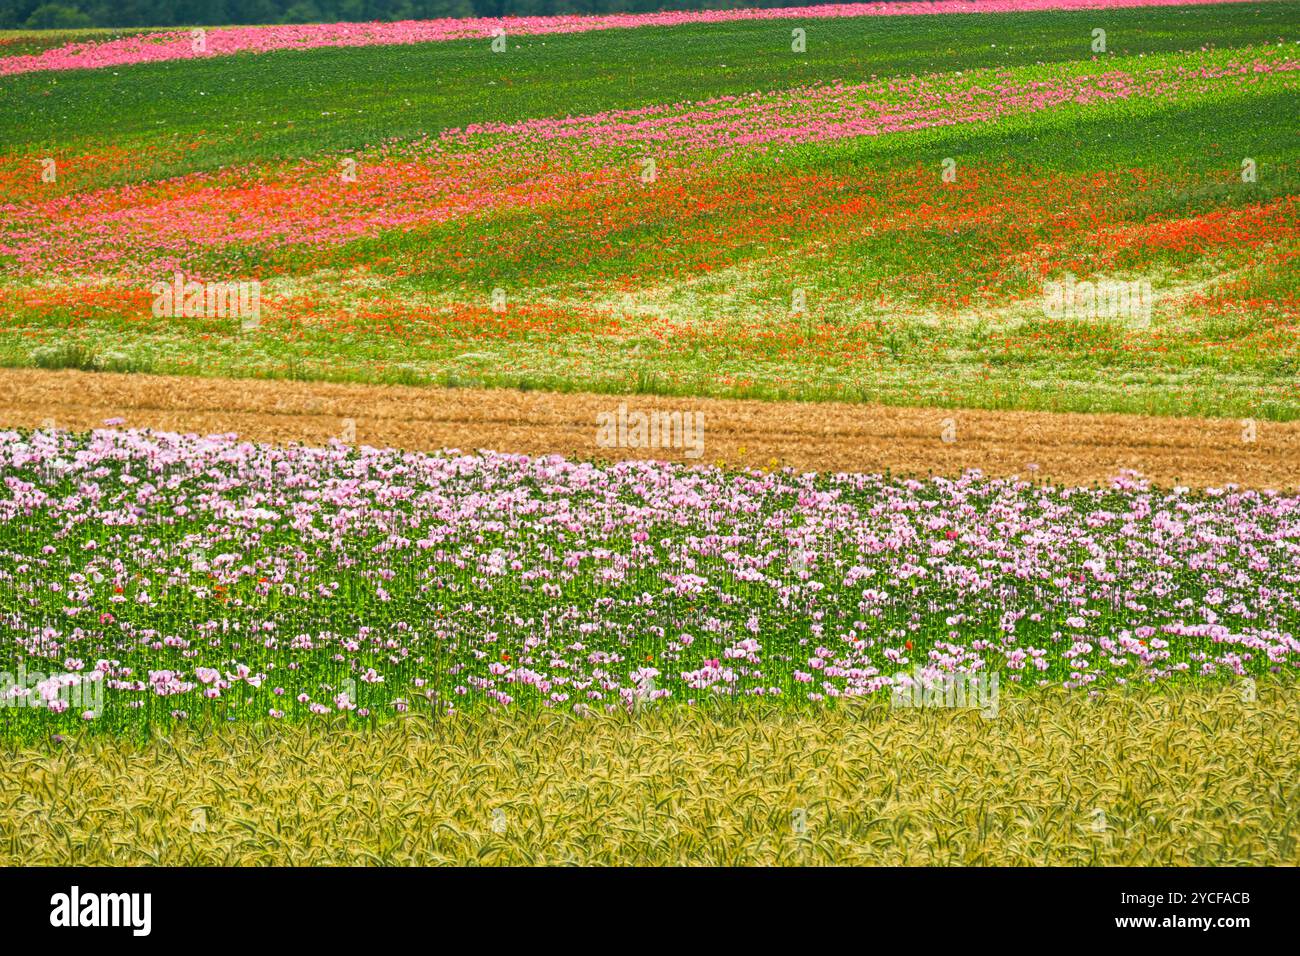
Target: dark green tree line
[[62, 14]]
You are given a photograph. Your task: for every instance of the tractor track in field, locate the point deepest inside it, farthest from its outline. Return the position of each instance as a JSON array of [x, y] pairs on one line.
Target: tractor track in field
[[1067, 448]]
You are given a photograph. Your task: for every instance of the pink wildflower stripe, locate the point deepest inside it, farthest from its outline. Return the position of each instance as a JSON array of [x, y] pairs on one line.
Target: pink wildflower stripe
[[463, 172], [224, 41], [824, 112]]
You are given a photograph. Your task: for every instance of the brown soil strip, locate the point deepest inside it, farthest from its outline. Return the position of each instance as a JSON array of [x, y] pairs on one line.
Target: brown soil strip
[[1075, 449]]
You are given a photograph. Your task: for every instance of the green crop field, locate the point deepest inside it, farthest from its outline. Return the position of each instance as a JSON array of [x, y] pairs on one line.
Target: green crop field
[[503, 226]]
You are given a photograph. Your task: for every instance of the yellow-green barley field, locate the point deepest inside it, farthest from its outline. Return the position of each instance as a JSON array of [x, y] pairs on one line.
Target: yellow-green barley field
[[1196, 776]]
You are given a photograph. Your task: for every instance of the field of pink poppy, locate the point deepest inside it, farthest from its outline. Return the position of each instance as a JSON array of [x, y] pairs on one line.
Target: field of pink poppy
[[886, 225], [152, 579]]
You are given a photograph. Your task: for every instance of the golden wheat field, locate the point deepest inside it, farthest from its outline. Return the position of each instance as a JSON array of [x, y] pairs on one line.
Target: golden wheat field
[[1187, 777], [1080, 449]]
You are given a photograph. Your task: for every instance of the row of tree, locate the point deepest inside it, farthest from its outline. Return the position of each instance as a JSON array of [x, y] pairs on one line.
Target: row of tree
[[64, 14]]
